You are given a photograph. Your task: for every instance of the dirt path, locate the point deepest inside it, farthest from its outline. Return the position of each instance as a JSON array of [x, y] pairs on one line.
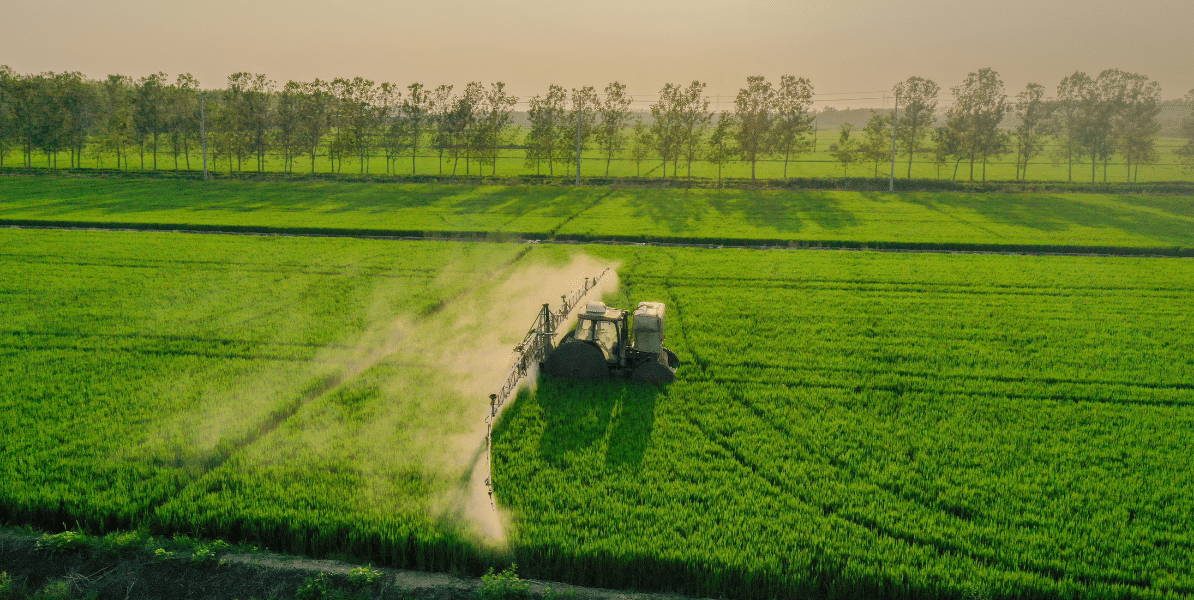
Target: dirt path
[[138, 576]]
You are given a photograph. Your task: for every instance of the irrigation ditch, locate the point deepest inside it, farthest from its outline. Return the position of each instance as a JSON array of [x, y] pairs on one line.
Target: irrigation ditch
[[569, 239]]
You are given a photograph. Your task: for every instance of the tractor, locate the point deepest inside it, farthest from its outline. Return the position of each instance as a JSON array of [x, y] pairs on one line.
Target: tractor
[[607, 342]]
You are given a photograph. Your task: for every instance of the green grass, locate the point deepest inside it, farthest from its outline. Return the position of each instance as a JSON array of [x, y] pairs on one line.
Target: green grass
[[231, 386], [843, 425], [874, 425], [911, 219]]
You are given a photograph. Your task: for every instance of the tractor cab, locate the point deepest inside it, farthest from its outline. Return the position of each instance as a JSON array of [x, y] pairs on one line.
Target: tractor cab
[[605, 327]]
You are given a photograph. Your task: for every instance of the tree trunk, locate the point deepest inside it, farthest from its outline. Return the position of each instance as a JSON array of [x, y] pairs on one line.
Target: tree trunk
[[155, 152]]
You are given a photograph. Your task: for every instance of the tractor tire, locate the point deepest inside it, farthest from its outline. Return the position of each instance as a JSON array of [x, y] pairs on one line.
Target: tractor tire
[[577, 360], [673, 361], [654, 371]]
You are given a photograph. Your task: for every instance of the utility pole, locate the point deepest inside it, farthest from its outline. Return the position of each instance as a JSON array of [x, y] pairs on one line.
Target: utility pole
[[895, 116], [203, 130]]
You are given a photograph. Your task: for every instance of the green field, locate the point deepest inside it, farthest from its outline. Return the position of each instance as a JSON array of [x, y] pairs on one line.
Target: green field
[[870, 425], [235, 386], [512, 162], [909, 219], [844, 425]]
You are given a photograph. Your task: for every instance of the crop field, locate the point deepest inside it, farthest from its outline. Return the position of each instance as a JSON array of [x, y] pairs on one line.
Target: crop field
[[820, 162], [844, 424], [247, 387], [1077, 221], [870, 425]]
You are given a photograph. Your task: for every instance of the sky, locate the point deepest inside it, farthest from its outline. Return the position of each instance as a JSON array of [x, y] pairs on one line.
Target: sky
[[852, 50]]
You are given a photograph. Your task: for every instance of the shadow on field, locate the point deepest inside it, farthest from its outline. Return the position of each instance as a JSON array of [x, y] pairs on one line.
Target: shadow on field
[[682, 211], [1162, 218], [121, 196], [582, 415]]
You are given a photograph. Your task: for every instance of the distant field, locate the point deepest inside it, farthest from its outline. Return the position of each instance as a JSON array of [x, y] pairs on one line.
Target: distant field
[[909, 219], [910, 425], [818, 163]]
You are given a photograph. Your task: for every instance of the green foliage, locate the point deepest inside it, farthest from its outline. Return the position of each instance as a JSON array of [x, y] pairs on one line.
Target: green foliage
[[366, 575], [55, 589], [65, 541], [8, 586], [326, 586], [503, 585]]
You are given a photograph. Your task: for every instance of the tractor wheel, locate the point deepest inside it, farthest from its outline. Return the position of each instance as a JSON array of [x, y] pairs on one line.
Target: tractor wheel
[[576, 359], [654, 371], [673, 361]]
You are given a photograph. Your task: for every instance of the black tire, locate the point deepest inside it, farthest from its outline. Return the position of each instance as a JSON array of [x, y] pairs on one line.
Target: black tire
[[578, 360], [653, 371], [673, 361]]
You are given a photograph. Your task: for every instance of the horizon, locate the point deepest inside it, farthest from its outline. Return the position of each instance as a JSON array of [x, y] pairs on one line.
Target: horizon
[[718, 43]]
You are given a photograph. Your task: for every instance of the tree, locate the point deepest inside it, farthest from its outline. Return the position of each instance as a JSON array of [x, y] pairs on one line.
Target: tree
[[793, 119], [1186, 152], [1068, 114], [844, 150], [580, 124], [667, 125], [1135, 125], [149, 115], [876, 140], [947, 144], [546, 115], [7, 120], [754, 112], [315, 108], [459, 120], [182, 116], [79, 111], [496, 111], [1098, 103], [641, 144], [721, 141], [414, 116], [1032, 112], [288, 119], [116, 123], [694, 118], [613, 115], [917, 98], [357, 117], [441, 107], [384, 127], [979, 107]]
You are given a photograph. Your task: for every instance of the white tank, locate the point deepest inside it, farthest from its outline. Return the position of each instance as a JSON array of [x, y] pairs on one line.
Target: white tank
[[648, 327]]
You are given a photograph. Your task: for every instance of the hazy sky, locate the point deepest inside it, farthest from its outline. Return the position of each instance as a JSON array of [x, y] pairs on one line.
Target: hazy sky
[[844, 46]]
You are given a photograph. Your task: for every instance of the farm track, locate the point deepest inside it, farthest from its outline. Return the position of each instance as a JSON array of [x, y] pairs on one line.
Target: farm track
[[979, 249]]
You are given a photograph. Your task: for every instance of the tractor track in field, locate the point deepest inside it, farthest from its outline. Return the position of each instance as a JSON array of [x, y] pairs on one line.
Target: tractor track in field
[[468, 236]]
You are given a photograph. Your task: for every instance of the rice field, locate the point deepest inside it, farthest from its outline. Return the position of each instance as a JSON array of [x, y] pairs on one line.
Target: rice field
[[1077, 221], [844, 425]]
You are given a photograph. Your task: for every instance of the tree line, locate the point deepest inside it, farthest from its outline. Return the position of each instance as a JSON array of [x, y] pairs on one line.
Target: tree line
[[145, 121]]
